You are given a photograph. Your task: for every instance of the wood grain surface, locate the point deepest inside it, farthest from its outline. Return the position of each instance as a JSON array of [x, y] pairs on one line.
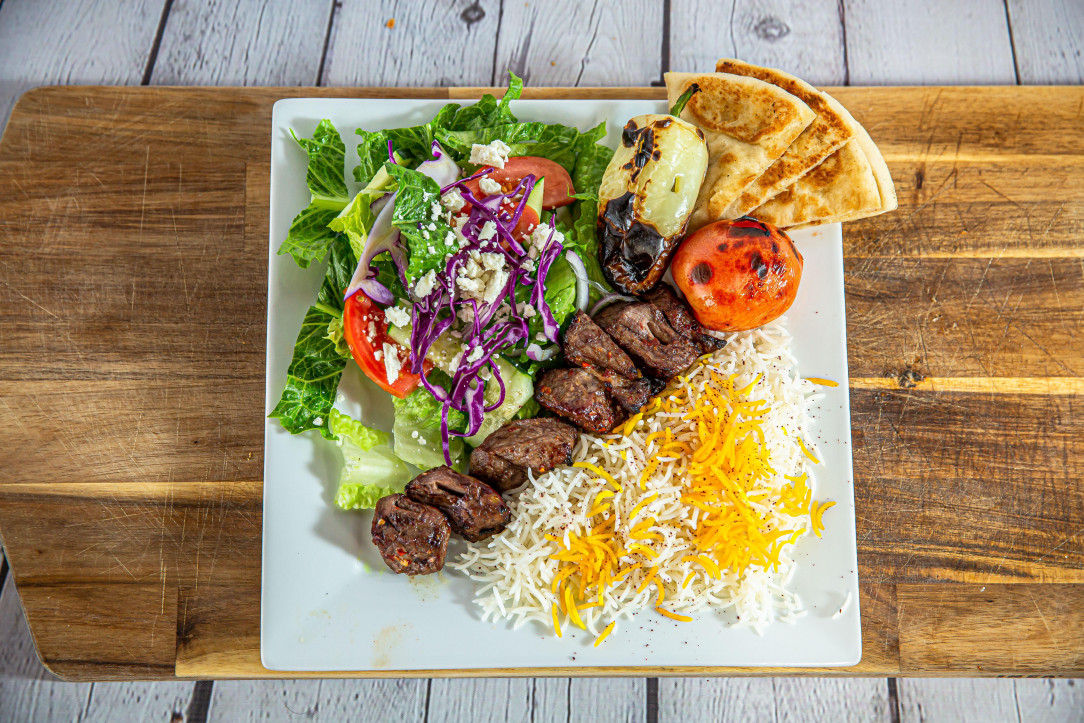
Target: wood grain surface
[[133, 241]]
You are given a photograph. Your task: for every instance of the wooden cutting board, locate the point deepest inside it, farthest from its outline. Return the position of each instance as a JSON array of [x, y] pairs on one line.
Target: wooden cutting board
[[133, 252]]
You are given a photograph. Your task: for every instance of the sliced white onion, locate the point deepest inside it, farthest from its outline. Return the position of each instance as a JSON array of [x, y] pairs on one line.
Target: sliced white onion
[[537, 353], [379, 203], [383, 236], [607, 300], [441, 168], [583, 292]]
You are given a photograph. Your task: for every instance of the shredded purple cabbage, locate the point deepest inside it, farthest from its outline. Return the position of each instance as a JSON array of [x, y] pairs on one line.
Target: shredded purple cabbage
[[494, 327]]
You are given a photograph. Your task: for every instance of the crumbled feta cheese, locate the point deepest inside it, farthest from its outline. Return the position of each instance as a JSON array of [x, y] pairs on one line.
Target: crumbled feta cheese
[[525, 310], [425, 234], [488, 185], [435, 211], [391, 362], [459, 224], [372, 331], [431, 248], [489, 230], [453, 200], [450, 238], [540, 238], [465, 314], [425, 284], [421, 441], [541, 337], [431, 227], [318, 421], [472, 288], [414, 434], [475, 354], [483, 277], [491, 261], [484, 373], [378, 355], [397, 316], [495, 154]]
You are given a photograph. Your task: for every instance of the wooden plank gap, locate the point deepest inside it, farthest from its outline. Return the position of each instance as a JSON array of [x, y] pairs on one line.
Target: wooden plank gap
[[665, 59], [3, 568], [1012, 42], [1053, 386], [200, 703], [493, 72], [841, 8], [893, 701], [157, 44], [651, 699], [335, 5]]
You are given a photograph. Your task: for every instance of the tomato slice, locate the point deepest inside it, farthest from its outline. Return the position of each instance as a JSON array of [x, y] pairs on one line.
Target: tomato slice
[[558, 189], [366, 332]]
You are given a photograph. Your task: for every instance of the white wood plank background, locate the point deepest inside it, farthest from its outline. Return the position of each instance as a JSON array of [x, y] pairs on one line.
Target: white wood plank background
[[557, 42]]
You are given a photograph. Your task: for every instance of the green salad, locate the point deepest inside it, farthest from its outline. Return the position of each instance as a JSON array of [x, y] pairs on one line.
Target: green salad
[[450, 272]]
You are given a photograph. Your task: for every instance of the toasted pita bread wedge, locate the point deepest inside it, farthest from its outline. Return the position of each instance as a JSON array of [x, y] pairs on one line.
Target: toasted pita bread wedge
[[852, 183], [880, 170], [843, 185], [747, 124], [832, 127]]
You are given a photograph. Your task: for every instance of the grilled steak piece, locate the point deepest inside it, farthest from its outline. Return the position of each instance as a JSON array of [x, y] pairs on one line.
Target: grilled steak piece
[[643, 331], [587, 345], [580, 396], [473, 509], [631, 394], [503, 459], [680, 317], [412, 537]]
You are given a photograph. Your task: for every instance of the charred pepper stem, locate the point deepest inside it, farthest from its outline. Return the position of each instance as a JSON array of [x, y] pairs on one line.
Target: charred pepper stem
[[683, 99]]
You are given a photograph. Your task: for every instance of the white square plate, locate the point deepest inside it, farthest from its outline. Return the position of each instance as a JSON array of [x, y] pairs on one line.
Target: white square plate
[[328, 601]]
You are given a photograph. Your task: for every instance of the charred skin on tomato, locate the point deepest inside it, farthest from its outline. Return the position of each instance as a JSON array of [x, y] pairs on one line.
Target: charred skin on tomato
[[738, 275], [646, 197]]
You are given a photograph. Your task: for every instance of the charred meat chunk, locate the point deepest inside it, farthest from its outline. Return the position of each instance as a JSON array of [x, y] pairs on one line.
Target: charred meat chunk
[[412, 537], [680, 317], [581, 397], [643, 331], [474, 509], [587, 345], [503, 459], [631, 394]]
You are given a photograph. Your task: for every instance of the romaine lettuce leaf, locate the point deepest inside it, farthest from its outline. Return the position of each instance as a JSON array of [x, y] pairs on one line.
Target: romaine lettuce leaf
[[313, 376], [414, 144], [370, 468], [417, 429], [327, 161], [355, 220], [309, 236], [426, 245], [373, 152], [488, 111], [592, 157]]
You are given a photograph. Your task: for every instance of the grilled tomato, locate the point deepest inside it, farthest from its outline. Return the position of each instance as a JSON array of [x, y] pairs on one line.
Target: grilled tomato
[[738, 275]]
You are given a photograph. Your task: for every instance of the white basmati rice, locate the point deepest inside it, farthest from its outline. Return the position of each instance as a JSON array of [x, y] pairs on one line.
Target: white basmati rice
[[515, 570]]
